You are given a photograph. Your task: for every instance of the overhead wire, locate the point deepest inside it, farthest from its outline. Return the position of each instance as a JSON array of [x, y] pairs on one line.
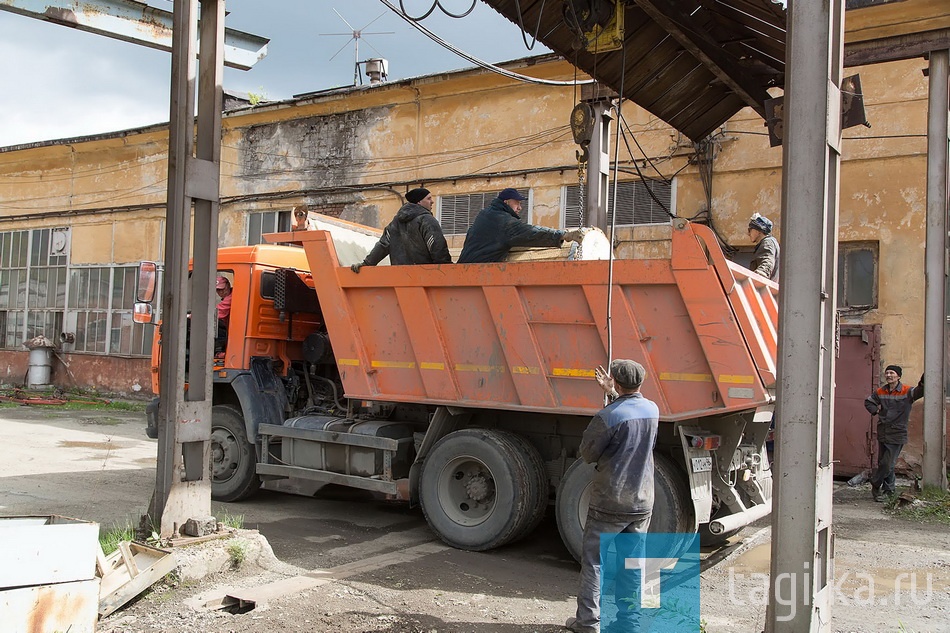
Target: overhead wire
[[645, 156], [537, 28], [437, 4], [475, 60], [636, 165]]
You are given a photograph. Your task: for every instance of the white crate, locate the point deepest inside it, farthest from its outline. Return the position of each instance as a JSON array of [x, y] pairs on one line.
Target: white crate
[[42, 550]]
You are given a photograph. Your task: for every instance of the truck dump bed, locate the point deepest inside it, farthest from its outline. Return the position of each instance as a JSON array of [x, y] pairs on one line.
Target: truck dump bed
[[527, 336]]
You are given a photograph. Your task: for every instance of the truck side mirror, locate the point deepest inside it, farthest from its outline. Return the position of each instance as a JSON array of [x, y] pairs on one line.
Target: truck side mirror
[[145, 291]]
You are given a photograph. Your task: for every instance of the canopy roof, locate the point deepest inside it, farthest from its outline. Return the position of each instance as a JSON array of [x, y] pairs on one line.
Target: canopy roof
[[692, 63]]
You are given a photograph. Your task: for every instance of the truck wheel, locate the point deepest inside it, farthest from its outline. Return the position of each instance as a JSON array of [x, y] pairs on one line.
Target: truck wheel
[[539, 480], [233, 458], [477, 490], [573, 498], [672, 508]]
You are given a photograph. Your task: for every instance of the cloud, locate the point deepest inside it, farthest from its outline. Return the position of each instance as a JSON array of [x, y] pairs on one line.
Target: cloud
[[61, 82]]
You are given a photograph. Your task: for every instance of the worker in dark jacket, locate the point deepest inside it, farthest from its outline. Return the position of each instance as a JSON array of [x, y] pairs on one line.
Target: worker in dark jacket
[[619, 441], [499, 227], [765, 257], [413, 237], [891, 403]]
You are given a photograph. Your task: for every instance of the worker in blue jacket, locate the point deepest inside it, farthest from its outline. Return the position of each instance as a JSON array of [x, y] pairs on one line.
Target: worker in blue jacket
[[891, 403], [619, 441], [498, 228]]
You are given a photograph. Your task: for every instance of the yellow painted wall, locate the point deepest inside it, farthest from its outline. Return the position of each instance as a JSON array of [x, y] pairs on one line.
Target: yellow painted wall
[[474, 131]]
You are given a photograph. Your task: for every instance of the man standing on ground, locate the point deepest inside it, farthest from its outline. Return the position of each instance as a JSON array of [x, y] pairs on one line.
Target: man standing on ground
[[619, 441], [499, 227], [891, 403], [765, 257], [413, 237]]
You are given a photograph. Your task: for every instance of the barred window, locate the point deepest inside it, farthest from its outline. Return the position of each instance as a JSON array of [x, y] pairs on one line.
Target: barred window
[[100, 312], [635, 205], [457, 213], [32, 285], [259, 224]]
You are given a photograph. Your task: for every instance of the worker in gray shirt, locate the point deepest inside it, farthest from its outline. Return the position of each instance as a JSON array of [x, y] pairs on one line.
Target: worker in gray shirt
[[619, 440]]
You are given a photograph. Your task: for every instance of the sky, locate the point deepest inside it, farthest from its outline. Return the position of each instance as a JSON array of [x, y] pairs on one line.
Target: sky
[[62, 83]]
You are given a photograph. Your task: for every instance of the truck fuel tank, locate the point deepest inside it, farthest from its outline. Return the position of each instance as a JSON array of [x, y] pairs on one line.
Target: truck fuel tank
[[342, 451]]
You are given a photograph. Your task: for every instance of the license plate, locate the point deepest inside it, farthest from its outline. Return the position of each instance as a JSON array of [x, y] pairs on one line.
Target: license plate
[[702, 464]]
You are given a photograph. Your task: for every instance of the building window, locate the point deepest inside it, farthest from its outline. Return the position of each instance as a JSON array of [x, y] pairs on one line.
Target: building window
[[259, 224], [32, 285], [100, 312], [857, 275], [457, 213], [635, 205]]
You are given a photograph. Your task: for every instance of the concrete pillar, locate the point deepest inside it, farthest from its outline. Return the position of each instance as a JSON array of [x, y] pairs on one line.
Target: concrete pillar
[[935, 320], [802, 569]]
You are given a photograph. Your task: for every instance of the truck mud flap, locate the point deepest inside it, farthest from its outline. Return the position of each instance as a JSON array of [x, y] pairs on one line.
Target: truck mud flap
[[261, 395], [444, 421]]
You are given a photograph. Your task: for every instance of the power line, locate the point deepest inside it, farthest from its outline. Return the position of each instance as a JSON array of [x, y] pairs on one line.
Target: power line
[[475, 60]]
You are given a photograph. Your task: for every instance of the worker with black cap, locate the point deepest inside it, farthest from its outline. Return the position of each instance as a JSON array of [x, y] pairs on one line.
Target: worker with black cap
[[765, 257], [413, 237], [499, 227], [619, 441], [891, 403]]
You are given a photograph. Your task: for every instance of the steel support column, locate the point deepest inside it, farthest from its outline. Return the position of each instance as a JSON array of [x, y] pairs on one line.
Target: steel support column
[[802, 565], [182, 481], [935, 321], [598, 167]]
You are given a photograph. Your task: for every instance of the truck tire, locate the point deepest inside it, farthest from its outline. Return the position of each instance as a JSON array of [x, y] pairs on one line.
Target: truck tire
[[672, 508], [539, 479], [233, 458], [477, 490]]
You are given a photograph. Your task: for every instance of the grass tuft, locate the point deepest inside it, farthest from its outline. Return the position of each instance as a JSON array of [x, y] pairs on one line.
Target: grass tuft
[[110, 539], [237, 553], [235, 521]]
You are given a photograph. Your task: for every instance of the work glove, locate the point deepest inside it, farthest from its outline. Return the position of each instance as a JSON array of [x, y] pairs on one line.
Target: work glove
[[356, 267], [574, 235]]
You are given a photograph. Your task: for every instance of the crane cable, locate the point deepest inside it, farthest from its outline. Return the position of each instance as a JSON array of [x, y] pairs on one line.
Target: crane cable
[[613, 212]]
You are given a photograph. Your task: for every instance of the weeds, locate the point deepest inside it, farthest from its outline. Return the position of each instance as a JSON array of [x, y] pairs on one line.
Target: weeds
[[235, 521], [932, 505], [110, 539], [237, 553]]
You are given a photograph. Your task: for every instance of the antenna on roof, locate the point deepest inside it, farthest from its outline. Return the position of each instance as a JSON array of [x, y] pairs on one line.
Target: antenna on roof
[[355, 36]]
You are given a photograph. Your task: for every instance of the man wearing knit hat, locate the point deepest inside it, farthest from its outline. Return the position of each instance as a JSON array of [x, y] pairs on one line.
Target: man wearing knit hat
[[891, 403], [766, 255], [619, 441], [499, 227], [413, 237]]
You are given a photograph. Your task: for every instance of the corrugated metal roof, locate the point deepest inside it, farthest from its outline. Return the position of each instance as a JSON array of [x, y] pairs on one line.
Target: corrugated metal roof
[[692, 63]]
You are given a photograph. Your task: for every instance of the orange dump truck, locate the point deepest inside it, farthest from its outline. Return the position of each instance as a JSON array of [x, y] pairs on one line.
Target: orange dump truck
[[467, 387]]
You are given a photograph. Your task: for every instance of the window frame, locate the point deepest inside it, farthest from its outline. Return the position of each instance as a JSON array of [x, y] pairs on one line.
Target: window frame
[[844, 273], [566, 194], [282, 220], [527, 208]]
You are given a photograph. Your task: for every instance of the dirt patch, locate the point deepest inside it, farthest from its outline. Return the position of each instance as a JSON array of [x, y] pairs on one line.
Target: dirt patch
[[890, 573], [105, 446]]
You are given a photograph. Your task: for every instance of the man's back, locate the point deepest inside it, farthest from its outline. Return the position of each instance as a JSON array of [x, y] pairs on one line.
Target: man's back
[[497, 229], [620, 441]]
